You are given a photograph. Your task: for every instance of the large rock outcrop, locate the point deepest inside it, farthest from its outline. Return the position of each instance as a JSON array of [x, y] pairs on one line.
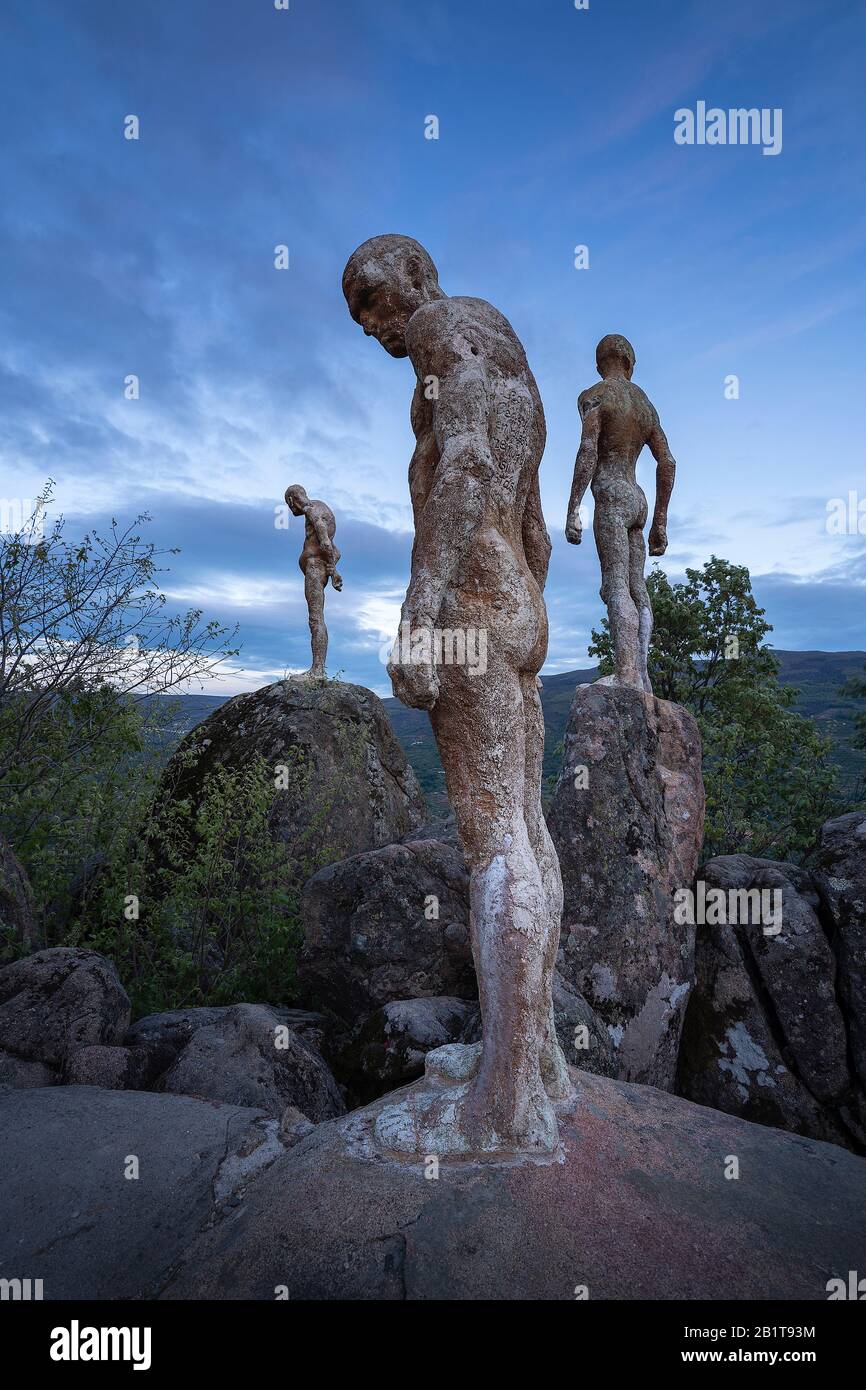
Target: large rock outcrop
[[248, 1058], [387, 953], [840, 881], [56, 1001], [350, 787], [388, 1048], [627, 821], [636, 1205], [384, 926], [64, 1018], [773, 1030], [103, 1190]]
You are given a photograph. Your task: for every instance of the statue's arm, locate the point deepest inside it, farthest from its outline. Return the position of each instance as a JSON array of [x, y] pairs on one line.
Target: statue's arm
[[584, 465], [536, 541], [665, 473], [319, 523]]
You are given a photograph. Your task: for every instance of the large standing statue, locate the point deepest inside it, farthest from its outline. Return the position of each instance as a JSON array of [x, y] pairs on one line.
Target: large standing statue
[[618, 420], [319, 563], [479, 562]]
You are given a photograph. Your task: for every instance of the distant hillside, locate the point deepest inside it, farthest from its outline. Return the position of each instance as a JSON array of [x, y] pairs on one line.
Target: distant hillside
[[818, 676]]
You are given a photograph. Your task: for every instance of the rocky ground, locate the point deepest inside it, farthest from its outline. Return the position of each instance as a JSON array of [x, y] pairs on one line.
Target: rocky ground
[[222, 1150]]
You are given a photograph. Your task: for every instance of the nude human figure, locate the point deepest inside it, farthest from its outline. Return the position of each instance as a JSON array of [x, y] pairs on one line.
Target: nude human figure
[[618, 420], [479, 561], [319, 563]]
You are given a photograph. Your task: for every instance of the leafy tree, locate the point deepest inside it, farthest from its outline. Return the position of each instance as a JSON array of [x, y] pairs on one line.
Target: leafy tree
[[86, 651], [769, 781], [212, 917], [855, 689], [83, 625]]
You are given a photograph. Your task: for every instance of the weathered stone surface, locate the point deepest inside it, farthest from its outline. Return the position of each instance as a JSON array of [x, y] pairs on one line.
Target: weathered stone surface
[[58, 1000], [369, 944], [16, 1073], [627, 821], [583, 1037], [389, 1047], [70, 1213], [635, 1206], [113, 1068], [164, 1036], [17, 911], [356, 790], [840, 880], [765, 1036], [248, 1057], [370, 936]]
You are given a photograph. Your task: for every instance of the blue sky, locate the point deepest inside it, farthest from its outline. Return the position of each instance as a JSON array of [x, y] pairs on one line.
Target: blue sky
[[260, 127]]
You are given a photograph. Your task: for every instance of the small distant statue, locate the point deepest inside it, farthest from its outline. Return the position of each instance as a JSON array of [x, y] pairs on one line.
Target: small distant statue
[[319, 563], [618, 420], [479, 564]]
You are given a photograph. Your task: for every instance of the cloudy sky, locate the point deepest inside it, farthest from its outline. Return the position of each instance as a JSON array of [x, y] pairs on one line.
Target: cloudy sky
[[306, 127]]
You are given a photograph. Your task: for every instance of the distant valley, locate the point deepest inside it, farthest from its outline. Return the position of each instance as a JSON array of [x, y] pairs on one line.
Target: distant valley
[[817, 675]]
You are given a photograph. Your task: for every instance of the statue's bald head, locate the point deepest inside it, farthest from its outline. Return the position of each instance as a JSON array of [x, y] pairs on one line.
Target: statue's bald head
[[296, 499], [614, 353], [384, 282]]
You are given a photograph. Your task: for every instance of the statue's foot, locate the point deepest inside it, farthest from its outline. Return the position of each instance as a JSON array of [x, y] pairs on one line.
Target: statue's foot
[[634, 682], [458, 1062], [464, 1121], [554, 1071], [314, 674], [454, 1062]]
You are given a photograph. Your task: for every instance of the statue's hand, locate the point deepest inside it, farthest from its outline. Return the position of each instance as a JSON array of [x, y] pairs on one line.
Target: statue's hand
[[336, 581], [411, 666], [416, 684], [658, 539], [574, 529]]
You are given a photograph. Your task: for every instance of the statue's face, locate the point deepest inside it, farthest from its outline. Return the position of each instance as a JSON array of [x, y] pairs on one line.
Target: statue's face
[[382, 302], [294, 502]]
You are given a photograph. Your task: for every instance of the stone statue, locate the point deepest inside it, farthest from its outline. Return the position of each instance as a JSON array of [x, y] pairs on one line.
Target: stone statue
[[618, 420], [479, 562], [319, 563]]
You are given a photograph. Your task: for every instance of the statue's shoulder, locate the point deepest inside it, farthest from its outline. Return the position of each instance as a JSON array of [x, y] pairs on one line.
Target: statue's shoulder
[[592, 397], [643, 400], [449, 322], [319, 508]]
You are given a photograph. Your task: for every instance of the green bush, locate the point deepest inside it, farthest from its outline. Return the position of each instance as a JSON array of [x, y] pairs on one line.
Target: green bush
[[200, 906]]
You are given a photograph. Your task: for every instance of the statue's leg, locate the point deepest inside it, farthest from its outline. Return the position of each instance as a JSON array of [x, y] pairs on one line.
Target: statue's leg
[[554, 1069], [314, 590], [479, 726], [612, 539], [641, 599]]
